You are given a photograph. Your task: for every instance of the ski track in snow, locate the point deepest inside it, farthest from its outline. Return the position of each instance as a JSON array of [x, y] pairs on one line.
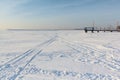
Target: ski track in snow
[[20, 66], [13, 68], [86, 76], [65, 74], [91, 52]]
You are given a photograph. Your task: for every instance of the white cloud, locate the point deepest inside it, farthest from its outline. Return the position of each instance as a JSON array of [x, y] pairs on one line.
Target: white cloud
[[7, 6]]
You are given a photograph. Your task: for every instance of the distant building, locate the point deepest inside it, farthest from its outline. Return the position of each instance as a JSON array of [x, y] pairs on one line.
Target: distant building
[[118, 28], [89, 29]]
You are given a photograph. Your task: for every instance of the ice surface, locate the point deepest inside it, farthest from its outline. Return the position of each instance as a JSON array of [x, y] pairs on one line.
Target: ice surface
[[59, 55]]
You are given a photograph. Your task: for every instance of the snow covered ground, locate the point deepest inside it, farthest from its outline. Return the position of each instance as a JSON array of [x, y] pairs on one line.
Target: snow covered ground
[[59, 55]]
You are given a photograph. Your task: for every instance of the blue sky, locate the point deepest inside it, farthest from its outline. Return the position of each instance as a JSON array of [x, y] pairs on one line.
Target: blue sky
[[51, 14]]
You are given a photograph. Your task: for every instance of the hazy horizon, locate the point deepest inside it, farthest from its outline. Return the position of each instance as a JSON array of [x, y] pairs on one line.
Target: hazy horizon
[[58, 14]]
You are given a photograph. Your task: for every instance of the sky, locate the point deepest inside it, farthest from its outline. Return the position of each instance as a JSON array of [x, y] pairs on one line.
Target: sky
[[58, 14]]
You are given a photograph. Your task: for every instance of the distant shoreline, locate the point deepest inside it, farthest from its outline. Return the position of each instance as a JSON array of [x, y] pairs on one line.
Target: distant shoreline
[[41, 29]]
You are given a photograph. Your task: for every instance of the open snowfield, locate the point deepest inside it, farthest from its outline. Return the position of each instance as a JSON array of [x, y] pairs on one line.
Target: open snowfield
[[59, 55]]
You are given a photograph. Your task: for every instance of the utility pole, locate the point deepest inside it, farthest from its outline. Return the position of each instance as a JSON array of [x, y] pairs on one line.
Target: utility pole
[[93, 23], [93, 27]]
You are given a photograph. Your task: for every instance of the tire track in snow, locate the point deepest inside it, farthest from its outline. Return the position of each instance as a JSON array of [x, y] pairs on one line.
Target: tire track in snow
[[13, 68]]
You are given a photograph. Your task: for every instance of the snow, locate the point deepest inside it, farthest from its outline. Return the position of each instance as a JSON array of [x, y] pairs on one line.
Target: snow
[[59, 55]]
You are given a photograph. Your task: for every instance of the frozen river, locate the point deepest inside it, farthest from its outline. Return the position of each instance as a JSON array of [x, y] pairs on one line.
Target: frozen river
[[59, 55]]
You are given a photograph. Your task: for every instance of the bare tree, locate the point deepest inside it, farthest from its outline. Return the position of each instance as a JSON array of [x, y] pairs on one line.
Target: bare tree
[[118, 28]]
